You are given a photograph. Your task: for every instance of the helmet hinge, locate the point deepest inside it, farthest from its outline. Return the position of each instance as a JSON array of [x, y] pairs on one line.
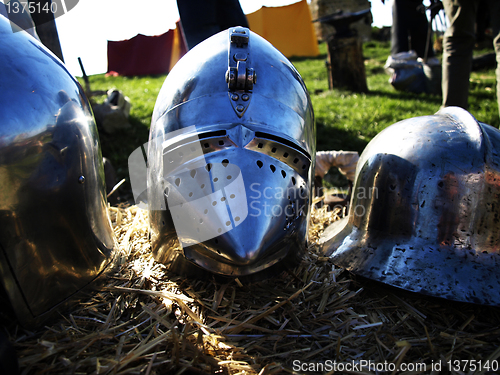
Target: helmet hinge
[[240, 75]]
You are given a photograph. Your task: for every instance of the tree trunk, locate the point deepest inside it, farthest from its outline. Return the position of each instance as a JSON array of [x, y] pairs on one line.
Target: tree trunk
[[346, 64]]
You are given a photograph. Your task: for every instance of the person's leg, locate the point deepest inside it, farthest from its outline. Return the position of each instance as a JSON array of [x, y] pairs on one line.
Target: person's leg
[[229, 14], [198, 20], [419, 28], [399, 28], [494, 11], [457, 51]]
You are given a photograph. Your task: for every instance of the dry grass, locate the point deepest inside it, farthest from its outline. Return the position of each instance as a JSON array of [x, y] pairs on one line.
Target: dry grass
[[145, 321]]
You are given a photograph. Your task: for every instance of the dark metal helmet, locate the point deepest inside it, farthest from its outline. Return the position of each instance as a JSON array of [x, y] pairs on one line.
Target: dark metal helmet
[[425, 208], [229, 160], [55, 233]]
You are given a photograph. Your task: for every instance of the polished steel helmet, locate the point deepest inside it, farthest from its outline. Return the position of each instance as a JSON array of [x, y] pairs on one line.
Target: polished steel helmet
[[425, 208], [229, 158], [55, 234]]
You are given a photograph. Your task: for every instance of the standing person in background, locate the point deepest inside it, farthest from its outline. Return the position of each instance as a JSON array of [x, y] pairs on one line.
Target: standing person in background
[[458, 44], [200, 19], [409, 28]]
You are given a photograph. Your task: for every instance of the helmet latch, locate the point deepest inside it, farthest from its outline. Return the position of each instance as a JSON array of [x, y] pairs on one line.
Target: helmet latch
[[240, 76]]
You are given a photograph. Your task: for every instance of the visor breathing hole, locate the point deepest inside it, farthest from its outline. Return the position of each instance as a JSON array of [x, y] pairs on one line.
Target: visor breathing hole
[[178, 181], [237, 218], [232, 196], [273, 150], [202, 186], [223, 199], [293, 180], [273, 168], [193, 173], [260, 164], [216, 179], [206, 211], [228, 223], [214, 203], [208, 167], [229, 177], [260, 145], [225, 162], [283, 173], [295, 161], [285, 155]]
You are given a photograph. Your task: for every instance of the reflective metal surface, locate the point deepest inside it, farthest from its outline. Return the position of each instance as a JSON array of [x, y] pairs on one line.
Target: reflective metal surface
[[229, 160], [424, 213], [55, 233]]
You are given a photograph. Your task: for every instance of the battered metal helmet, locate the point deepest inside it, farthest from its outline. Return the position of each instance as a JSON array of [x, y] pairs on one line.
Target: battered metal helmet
[[229, 160], [55, 233], [424, 213]]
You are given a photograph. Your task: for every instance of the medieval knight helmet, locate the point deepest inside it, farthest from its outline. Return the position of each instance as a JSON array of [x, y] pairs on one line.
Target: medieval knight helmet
[[229, 158], [55, 233], [424, 210]]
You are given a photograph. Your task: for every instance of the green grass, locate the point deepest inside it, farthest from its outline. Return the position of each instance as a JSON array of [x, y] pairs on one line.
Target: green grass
[[348, 121], [345, 120], [142, 92]]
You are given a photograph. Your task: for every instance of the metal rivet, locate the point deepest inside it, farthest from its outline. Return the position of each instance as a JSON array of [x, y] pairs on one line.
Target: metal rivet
[[240, 108], [81, 179], [235, 97], [245, 97], [240, 56]]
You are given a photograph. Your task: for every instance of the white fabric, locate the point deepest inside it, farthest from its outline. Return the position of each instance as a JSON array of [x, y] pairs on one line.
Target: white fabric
[[345, 161]]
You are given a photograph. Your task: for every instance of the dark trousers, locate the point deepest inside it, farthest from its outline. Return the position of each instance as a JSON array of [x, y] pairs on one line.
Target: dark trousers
[[409, 28], [458, 45], [201, 19]]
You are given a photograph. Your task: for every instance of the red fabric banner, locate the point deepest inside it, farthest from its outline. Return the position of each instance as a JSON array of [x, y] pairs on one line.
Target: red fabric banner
[[145, 55]]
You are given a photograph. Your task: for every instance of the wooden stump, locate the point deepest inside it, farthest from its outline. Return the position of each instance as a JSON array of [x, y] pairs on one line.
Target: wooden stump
[[346, 65]]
